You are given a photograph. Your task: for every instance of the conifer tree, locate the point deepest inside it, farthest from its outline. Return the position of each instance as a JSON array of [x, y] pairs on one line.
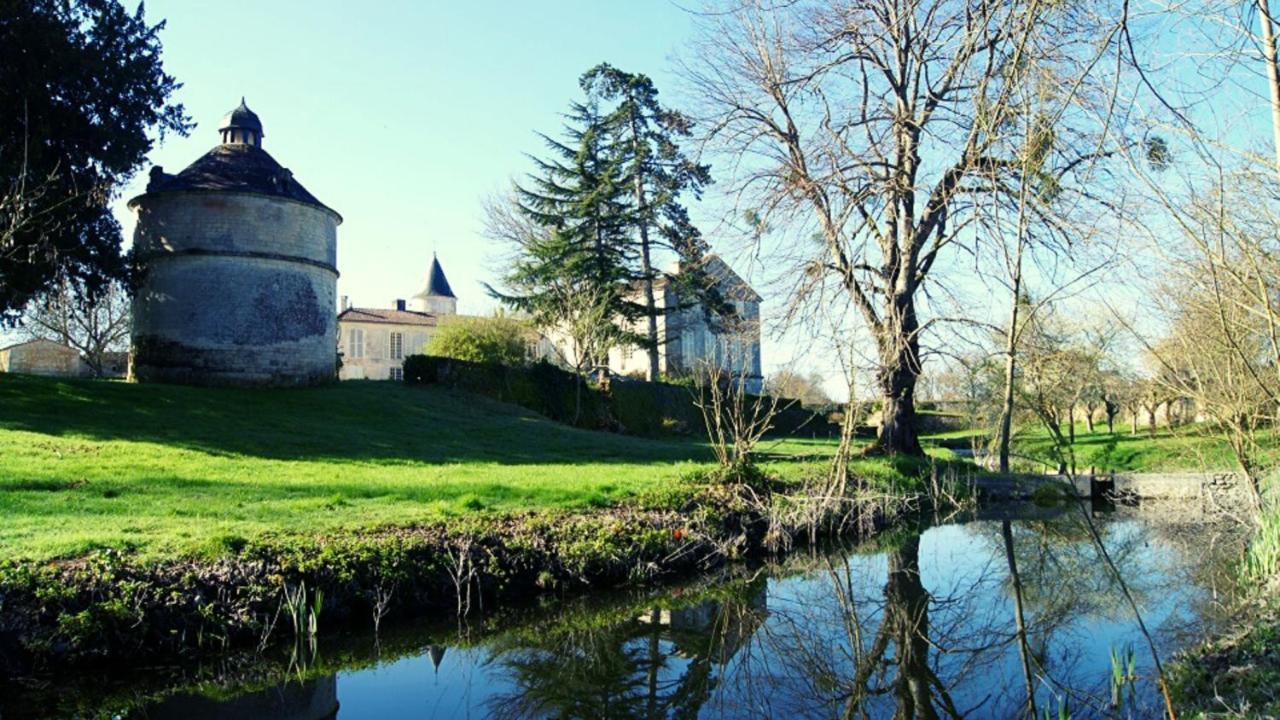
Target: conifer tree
[[83, 98], [643, 136], [572, 269]]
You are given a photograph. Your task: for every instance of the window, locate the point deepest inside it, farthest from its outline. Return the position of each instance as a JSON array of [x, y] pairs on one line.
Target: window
[[397, 374], [355, 343], [397, 346]]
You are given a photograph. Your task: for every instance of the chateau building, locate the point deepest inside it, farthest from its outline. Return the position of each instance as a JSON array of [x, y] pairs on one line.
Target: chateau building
[[690, 337], [373, 342], [239, 270]]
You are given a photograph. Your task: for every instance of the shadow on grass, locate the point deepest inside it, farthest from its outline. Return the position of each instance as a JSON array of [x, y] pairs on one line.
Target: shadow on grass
[[351, 421]]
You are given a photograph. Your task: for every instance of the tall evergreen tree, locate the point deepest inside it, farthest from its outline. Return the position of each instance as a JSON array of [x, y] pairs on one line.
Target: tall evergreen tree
[[572, 266], [82, 88], [643, 135]]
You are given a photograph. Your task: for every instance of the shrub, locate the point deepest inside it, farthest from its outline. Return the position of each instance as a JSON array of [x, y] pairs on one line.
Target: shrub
[[420, 370], [497, 340]]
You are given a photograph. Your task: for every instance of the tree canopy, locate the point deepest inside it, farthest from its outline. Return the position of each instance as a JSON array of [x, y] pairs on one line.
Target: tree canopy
[[84, 96]]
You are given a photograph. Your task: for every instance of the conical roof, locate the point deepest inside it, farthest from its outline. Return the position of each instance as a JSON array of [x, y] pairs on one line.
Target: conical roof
[[436, 653], [437, 283], [235, 167]]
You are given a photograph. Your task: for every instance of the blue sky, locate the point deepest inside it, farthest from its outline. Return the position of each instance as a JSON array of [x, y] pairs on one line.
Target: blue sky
[[402, 116]]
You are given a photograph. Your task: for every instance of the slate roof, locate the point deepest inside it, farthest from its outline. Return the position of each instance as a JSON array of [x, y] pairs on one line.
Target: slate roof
[[234, 168], [728, 282], [387, 317], [437, 283], [242, 117]]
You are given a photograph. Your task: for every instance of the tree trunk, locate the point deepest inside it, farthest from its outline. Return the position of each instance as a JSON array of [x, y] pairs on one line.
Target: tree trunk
[[1133, 421], [646, 268], [1005, 429], [899, 370], [1151, 419], [1006, 406], [650, 307], [1273, 74], [1024, 648], [1071, 425], [1088, 418], [646, 264]]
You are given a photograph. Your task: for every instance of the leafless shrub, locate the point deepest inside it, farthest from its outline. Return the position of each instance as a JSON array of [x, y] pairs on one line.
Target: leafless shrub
[[735, 419]]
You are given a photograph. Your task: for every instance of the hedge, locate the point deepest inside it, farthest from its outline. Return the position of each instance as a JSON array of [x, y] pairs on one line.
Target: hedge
[[629, 406]]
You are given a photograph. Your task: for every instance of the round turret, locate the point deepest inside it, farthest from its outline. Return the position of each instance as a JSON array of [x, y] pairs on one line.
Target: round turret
[[238, 270]]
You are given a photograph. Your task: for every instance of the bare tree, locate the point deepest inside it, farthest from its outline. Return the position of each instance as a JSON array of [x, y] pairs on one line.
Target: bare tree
[[735, 419], [874, 126], [96, 324], [807, 389]]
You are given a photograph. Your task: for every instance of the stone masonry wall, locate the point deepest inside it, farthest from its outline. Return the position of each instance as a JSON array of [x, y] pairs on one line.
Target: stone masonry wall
[[237, 289], [1225, 489], [41, 358]]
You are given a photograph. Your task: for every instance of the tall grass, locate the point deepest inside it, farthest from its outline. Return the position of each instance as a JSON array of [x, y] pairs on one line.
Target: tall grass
[[1261, 565]]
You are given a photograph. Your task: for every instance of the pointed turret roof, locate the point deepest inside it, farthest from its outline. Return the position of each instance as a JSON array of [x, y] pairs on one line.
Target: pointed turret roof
[[437, 283]]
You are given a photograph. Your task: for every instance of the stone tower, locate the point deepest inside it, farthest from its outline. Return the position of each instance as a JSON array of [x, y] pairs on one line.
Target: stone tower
[[437, 297], [238, 270]]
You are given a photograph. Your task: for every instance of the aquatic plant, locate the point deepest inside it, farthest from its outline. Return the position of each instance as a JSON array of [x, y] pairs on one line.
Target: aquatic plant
[[304, 614], [1062, 713], [1261, 564], [1123, 675]]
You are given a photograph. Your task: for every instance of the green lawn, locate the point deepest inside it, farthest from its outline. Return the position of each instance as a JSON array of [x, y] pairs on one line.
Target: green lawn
[[166, 469], [1193, 447]]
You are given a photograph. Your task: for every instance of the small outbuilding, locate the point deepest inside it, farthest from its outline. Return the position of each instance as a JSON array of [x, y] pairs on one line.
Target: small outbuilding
[[41, 357]]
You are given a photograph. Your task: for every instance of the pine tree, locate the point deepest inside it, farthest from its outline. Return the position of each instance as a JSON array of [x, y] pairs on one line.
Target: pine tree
[[573, 267], [644, 137]]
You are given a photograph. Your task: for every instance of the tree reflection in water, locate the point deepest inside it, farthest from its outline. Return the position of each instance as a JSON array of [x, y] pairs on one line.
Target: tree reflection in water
[[996, 617], [661, 663], [1018, 616]]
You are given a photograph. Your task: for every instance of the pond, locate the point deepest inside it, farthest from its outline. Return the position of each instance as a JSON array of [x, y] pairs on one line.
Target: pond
[[920, 622]]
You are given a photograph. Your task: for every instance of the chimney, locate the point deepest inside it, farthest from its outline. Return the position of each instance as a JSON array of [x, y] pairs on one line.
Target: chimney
[[399, 304], [345, 303]]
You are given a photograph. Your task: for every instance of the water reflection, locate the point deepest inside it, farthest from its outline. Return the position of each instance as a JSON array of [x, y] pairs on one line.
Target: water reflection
[[994, 617], [664, 662], [306, 700]]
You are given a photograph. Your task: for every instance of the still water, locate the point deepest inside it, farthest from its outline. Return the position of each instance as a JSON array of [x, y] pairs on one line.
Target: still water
[[919, 623]]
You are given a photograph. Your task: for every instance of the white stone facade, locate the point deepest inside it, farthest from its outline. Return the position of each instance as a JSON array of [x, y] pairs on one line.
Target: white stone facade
[[373, 343], [41, 357], [688, 339]]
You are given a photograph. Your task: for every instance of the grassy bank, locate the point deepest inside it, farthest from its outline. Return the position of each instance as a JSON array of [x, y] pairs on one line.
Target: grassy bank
[[166, 471], [144, 521], [1238, 674], [170, 470], [1189, 448]]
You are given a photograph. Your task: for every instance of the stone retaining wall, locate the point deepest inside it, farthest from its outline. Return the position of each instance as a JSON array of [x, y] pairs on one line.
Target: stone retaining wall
[[1223, 488]]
